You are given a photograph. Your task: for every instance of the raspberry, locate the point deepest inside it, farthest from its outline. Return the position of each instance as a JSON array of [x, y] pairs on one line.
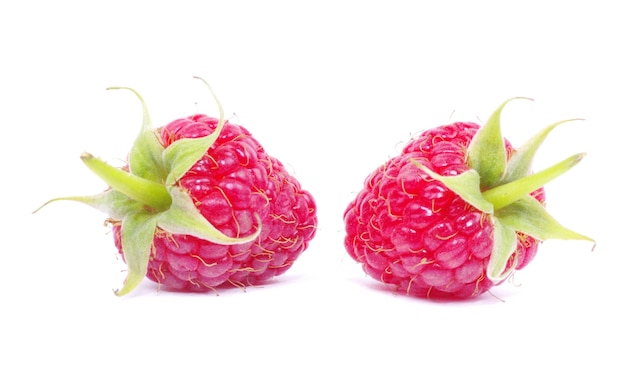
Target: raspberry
[[201, 204], [455, 213]]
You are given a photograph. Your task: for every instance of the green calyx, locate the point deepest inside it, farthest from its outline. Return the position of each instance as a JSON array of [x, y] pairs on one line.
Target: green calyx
[[502, 188], [146, 197]]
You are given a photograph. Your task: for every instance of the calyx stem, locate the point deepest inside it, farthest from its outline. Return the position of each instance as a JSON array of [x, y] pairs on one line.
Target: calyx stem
[[150, 193], [503, 195]]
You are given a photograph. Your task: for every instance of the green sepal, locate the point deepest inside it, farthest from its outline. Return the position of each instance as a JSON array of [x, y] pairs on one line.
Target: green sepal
[[137, 235], [521, 160], [183, 217], [144, 159], [527, 216], [530, 217], [181, 155], [150, 193], [184, 153], [503, 195], [113, 203], [504, 245], [486, 153], [466, 185]]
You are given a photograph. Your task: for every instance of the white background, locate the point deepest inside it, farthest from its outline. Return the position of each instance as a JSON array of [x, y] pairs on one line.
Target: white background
[[333, 89]]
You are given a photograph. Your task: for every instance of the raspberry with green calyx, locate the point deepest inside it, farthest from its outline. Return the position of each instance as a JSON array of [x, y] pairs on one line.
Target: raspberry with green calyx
[[201, 204], [457, 212]]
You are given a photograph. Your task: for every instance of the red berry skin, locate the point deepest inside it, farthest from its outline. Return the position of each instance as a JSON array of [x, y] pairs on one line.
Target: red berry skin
[[235, 184], [413, 233]]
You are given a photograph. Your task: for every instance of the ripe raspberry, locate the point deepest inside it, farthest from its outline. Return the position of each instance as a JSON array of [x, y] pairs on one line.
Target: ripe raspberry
[[455, 213], [203, 205]]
